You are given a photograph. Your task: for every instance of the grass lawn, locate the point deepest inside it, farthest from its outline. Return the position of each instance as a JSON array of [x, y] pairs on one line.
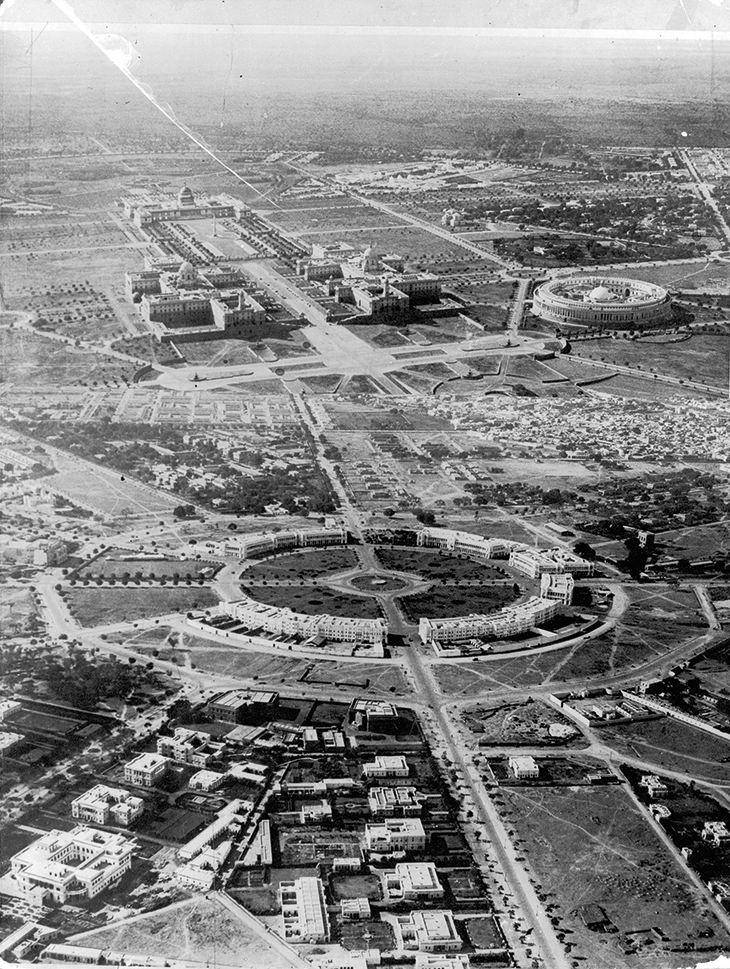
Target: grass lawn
[[434, 565], [595, 847], [702, 358], [312, 600], [440, 603], [303, 565], [101, 606]]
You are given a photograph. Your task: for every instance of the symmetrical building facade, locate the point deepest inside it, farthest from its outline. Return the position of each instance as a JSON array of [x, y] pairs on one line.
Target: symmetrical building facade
[[610, 302], [67, 866]]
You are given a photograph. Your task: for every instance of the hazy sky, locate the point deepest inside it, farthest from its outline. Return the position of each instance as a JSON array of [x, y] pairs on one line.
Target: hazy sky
[[674, 15]]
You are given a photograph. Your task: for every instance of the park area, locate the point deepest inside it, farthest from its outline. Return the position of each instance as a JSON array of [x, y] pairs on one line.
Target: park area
[[302, 565], [443, 602], [313, 600], [439, 567], [120, 563], [590, 847], [102, 606]]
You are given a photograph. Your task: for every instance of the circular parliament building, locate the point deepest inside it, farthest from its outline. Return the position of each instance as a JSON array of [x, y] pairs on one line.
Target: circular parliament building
[[602, 301]]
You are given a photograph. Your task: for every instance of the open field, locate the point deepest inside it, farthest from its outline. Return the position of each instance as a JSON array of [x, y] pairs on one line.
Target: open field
[[302, 565], [670, 744], [280, 668], [418, 246], [312, 600], [105, 491], [589, 846], [199, 931], [30, 359], [687, 275], [702, 358], [697, 542], [102, 606]]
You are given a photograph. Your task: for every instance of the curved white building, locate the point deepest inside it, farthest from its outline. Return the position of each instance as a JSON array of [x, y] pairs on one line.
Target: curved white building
[[608, 301]]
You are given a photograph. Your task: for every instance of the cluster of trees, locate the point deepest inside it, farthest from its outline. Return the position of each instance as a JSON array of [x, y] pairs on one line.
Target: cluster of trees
[[74, 675], [134, 448]]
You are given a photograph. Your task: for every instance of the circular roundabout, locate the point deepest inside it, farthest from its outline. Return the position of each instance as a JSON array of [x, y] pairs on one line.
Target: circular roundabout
[[471, 594], [378, 583]]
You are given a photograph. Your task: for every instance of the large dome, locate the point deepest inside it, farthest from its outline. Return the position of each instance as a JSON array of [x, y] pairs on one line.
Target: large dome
[[601, 295], [599, 300]]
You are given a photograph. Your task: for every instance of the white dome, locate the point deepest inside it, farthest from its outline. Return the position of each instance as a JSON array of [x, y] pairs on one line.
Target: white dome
[[187, 269], [601, 295]]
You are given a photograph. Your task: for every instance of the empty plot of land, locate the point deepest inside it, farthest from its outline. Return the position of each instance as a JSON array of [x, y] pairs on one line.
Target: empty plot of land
[[106, 491], [595, 847], [199, 931], [702, 358], [104, 606], [672, 745]]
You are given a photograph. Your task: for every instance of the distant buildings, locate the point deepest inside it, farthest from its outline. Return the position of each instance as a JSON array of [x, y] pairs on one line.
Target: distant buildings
[[145, 210], [67, 866], [107, 805]]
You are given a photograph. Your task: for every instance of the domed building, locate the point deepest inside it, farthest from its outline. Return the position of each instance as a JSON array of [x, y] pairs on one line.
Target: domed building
[[185, 197], [613, 302]]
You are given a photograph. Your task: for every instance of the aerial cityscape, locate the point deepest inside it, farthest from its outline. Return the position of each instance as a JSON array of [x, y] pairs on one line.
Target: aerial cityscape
[[365, 476]]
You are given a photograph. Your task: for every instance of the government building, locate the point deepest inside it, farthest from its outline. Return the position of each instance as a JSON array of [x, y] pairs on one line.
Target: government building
[[609, 302], [375, 284]]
